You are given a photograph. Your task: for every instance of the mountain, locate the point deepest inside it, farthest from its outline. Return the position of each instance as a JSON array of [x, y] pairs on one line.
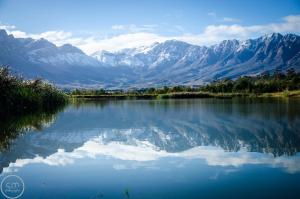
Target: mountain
[[40, 52], [66, 66], [176, 62], [41, 58], [169, 63]]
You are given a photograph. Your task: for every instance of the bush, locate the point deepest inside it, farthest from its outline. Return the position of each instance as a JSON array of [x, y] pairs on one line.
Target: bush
[[19, 95]]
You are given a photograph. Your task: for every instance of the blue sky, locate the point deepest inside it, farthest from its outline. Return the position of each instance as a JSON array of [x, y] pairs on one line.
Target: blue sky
[[95, 25]]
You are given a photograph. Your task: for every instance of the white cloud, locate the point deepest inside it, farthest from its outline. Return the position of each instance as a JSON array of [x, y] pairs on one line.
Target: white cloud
[[57, 37], [212, 34], [6, 27], [216, 33], [134, 36], [130, 40], [18, 33], [229, 19], [143, 151]]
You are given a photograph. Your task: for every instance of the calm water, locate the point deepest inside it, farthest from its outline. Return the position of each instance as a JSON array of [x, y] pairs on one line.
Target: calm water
[[203, 148]]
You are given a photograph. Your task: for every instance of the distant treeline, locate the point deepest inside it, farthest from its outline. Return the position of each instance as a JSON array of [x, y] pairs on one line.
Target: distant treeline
[[263, 83], [18, 95]]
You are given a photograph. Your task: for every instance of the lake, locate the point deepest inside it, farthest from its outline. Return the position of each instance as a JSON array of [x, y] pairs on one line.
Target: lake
[[195, 148]]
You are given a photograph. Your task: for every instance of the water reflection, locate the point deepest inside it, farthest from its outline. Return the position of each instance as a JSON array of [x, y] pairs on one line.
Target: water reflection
[[13, 126], [221, 132], [145, 151]]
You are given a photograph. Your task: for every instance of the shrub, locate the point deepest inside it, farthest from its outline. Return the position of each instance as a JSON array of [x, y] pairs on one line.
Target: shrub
[[19, 95]]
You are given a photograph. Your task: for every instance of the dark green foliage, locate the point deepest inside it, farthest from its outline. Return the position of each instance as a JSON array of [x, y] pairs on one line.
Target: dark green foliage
[[12, 125], [144, 91], [184, 95], [88, 92], [18, 95], [264, 83]]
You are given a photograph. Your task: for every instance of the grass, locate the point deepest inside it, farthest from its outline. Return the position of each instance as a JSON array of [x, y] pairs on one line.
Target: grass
[[25, 105], [186, 95], [20, 96], [285, 93]]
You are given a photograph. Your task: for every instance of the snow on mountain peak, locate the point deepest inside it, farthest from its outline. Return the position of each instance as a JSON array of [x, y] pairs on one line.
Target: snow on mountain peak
[[168, 63]]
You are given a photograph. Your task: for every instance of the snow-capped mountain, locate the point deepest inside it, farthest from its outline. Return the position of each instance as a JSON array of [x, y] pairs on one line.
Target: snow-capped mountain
[[145, 56], [41, 58], [186, 63], [132, 57], [168, 63], [42, 51]]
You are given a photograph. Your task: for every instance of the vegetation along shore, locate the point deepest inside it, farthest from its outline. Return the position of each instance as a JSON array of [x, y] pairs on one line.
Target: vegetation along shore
[[18, 95], [277, 84]]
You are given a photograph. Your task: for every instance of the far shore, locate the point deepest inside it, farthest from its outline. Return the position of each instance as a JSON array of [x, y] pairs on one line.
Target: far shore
[[187, 95]]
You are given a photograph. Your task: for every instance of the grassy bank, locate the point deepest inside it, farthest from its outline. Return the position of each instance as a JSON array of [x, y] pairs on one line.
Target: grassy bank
[[20, 96], [187, 95], [295, 93]]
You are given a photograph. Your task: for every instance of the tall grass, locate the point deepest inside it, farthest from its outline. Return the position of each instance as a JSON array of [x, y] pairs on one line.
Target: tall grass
[[18, 95]]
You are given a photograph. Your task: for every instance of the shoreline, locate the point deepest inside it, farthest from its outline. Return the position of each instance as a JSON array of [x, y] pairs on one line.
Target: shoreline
[[189, 95]]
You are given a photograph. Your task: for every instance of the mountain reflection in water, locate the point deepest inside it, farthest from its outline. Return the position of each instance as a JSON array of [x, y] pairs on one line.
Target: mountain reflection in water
[[221, 132]]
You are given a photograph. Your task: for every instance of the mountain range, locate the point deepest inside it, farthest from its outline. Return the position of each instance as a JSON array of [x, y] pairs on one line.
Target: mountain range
[[168, 63]]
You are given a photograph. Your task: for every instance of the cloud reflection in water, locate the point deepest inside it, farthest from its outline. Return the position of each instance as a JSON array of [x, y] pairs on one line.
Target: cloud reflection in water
[[143, 151]]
